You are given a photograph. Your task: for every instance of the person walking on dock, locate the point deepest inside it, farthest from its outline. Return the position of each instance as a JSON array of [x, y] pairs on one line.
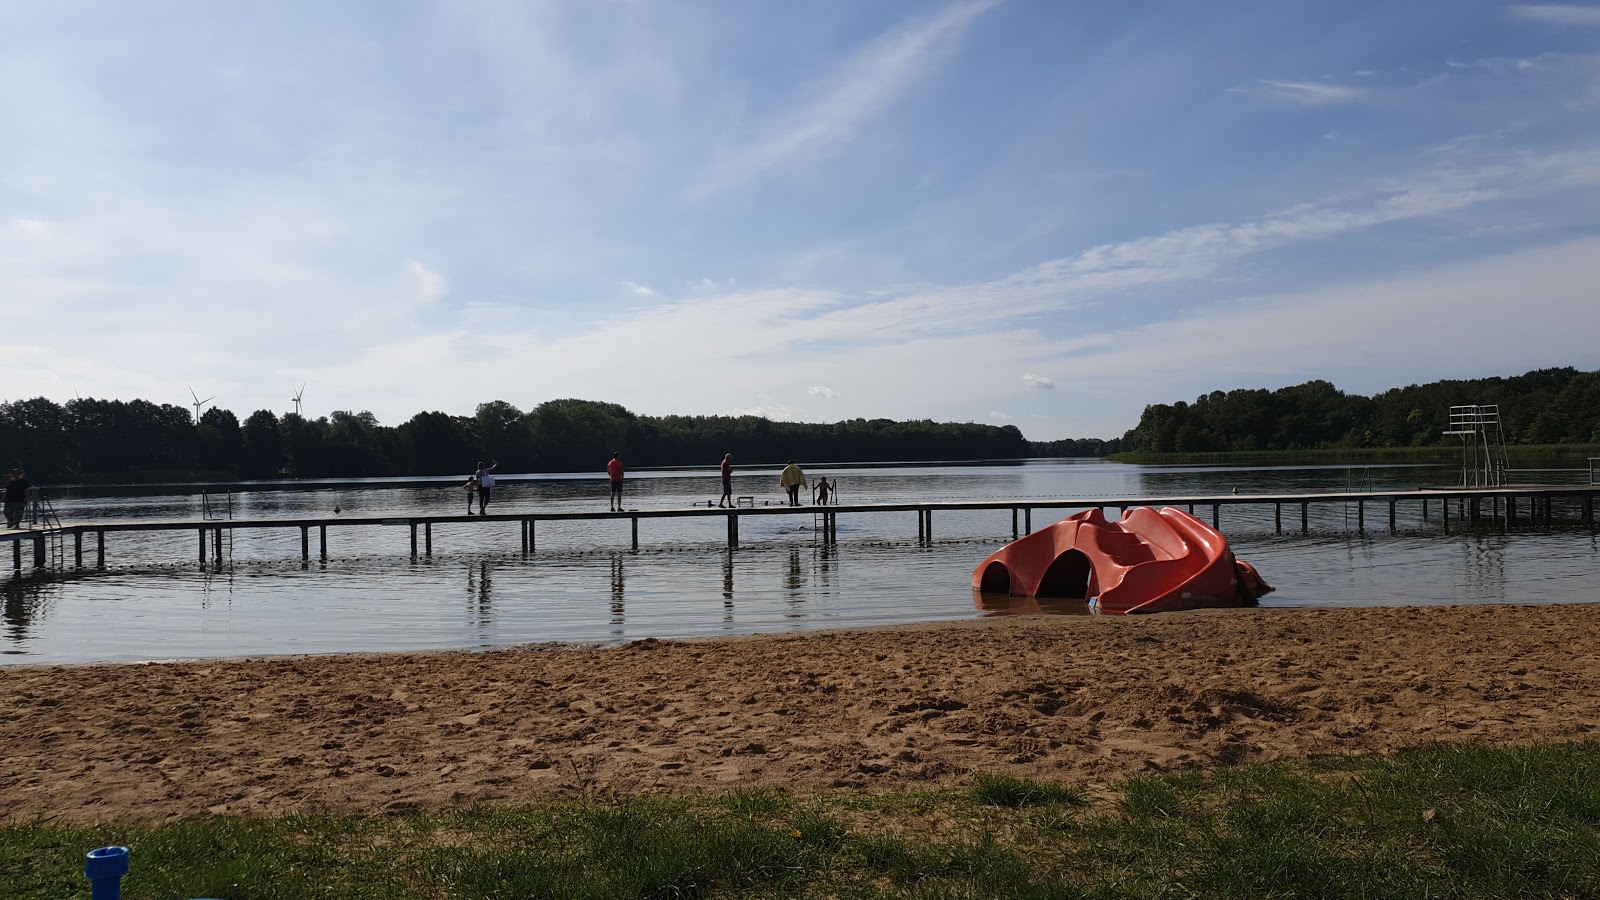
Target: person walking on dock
[[614, 471], [16, 498], [792, 480], [727, 481], [485, 479]]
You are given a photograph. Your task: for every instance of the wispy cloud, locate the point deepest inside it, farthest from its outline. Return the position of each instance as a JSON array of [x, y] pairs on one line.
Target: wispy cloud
[[1559, 14], [823, 393], [1313, 93], [856, 92], [639, 289], [429, 285], [1038, 382]]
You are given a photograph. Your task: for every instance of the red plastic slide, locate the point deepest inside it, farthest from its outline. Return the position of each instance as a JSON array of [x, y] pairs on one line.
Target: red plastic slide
[[1151, 561]]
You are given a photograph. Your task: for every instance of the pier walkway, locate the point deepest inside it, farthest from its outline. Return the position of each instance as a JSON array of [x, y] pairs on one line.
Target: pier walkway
[[1501, 507]]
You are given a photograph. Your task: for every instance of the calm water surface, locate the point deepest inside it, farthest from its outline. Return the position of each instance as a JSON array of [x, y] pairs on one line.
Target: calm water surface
[[584, 585]]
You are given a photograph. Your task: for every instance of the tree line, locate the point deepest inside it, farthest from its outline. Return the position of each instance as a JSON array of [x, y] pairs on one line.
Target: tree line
[[107, 440], [1546, 406]]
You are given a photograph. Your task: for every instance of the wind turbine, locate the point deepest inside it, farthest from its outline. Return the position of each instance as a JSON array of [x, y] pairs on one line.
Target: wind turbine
[[297, 395], [198, 403]]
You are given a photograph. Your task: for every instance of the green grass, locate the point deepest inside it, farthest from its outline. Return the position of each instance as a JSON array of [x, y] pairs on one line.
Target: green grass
[[1442, 821]]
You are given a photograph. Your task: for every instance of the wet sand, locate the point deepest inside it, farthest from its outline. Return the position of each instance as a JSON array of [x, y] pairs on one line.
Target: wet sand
[[1080, 699]]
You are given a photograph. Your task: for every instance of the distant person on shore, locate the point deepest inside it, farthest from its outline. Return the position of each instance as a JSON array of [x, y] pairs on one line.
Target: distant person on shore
[[727, 481], [792, 480], [485, 479], [614, 472], [823, 490], [16, 498], [471, 487]]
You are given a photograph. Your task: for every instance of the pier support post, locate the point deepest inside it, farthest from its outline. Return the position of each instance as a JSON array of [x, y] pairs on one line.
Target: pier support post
[[1444, 514], [1391, 515], [1361, 516], [100, 548], [929, 529], [38, 552], [733, 531], [920, 526], [1216, 516], [216, 544], [1472, 512], [1305, 518], [413, 540], [635, 533], [1511, 509], [1027, 519], [202, 546], [1014, 534], [524, 524], [16, 555], [1588, 509], [1277, 518], [427, 538], [322, 541], [533, 535], [77, 549]]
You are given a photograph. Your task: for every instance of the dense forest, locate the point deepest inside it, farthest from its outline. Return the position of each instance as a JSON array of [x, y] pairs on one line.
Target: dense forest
[[111, 440], [1548, 406]]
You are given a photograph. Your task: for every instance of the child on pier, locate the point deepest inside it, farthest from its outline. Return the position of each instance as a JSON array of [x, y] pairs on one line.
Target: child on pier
[[471, 487]]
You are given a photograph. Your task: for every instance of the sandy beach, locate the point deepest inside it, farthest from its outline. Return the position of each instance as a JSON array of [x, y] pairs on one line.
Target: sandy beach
[[1080, 699]]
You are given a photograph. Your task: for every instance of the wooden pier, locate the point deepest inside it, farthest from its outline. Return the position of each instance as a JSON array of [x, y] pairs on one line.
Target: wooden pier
[[1498, 507]]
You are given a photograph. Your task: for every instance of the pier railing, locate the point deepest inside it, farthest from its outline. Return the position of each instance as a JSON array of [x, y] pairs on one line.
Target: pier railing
[[1497, 507]]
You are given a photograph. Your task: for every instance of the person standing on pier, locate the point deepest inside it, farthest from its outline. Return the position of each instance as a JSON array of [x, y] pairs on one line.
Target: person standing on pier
[[792, 480], [614, 471], [823, 490], [485, 479], [471, 487], [727, 481], [16, 498]]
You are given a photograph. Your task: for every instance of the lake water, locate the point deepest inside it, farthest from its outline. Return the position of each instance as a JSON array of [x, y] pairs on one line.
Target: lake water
[[584, 585]]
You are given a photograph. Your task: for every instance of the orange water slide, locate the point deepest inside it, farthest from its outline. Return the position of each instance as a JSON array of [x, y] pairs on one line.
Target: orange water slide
[[1150, 561]]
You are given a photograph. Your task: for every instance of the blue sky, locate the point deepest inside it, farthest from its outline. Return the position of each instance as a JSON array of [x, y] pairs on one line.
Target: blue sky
[[1032, 212]]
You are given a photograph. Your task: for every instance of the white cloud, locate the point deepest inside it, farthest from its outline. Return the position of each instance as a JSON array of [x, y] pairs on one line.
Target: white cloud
[[823, 393], [999, 416], [1038, 382], [849, 98], [1313, 93], [430, 285], [639, 289], [1559, 14]]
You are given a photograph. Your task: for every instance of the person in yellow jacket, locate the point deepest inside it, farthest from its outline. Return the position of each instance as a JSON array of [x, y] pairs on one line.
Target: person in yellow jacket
[[792, 480]]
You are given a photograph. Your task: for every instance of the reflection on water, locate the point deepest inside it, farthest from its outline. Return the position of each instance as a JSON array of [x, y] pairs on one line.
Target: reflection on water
[[585, 585], [1005, 605]]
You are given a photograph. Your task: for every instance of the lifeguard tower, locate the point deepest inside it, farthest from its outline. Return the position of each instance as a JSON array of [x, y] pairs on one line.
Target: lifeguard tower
[[1483, 444]]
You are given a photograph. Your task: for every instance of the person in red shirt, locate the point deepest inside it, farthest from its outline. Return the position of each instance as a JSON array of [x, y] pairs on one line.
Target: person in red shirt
[[614, 469], [727, 481]]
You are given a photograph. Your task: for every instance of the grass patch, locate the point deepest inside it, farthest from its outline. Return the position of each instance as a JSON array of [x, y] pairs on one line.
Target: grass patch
[[1443, 821]]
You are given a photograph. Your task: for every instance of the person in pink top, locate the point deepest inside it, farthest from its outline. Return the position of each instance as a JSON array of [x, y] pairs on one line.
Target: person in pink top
[[614, 469]]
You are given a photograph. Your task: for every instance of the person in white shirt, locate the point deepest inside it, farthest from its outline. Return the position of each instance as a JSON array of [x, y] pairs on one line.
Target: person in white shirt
[[485, 482]]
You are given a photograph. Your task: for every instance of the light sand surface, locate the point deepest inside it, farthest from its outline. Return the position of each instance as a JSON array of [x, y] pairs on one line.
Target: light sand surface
[[1080, 699]]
